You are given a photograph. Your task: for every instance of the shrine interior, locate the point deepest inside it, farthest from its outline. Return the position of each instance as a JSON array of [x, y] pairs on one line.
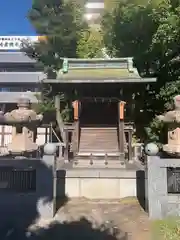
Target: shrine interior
[[98, 113]]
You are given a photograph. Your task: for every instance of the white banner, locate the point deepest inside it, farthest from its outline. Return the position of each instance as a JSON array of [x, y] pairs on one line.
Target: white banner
[[15, 42]]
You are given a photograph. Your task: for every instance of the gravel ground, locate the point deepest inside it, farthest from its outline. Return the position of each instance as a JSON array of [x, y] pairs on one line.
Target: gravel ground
[[86, 215]]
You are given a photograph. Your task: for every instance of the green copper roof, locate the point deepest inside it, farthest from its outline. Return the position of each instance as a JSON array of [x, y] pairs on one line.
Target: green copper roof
[[91, 74], [98, 70]]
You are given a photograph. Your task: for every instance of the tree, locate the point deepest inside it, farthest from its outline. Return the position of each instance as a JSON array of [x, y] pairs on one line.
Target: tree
[[151, 34], [114, 3], [130, 31], [61, 24], [90, 44]]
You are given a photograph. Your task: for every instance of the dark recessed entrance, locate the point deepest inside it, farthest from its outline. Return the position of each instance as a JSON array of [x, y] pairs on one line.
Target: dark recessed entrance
[[99, 113]]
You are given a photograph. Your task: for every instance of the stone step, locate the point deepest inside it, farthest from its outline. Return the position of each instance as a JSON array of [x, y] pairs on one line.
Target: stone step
[[103, 139], [100, 154], [100, 145]]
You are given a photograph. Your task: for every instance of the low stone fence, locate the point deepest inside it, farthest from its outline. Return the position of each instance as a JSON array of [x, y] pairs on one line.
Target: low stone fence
[[163, 187], [27, 189]]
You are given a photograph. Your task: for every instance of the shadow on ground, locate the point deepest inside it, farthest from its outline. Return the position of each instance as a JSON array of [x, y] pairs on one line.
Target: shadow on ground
[[20, 208], [82, 230]]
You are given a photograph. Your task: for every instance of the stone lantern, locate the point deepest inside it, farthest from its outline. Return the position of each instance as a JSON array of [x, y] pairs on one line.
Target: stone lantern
[[172, 119], [24, 121]]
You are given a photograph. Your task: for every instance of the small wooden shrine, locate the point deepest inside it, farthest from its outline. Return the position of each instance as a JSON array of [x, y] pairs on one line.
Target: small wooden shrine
[[102, 101]]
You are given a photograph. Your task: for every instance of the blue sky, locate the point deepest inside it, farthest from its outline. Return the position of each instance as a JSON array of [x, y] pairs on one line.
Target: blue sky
[[13, 19]]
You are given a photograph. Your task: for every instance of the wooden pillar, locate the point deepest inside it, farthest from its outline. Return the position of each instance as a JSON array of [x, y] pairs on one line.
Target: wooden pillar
[[66, 148], [130, 149], [59, 118], [76, 106], [76, 110], [121, 130], [62, 129]]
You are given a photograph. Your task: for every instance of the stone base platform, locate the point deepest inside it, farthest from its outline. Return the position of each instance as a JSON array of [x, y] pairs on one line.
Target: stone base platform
[[98, 160], [101, 183], [96, 163]]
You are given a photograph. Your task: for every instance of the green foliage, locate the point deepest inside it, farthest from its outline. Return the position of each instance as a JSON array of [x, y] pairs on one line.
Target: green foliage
[[167, 93], [165, 97], [166, 229], [90, 44], [61, 24], [155, 131], [129, 31], [47, 106], [150, 32], [67, 113], [114, 3]]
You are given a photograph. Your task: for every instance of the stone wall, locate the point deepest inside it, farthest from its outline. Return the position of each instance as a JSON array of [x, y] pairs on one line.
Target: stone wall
[[101, 183], [21, 200], [161, 200]]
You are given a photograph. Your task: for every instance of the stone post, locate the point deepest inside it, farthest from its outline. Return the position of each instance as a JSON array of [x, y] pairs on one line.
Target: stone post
[[46, 185]]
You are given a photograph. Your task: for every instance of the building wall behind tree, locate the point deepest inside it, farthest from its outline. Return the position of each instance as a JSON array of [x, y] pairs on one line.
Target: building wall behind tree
[[93, 9], [12, 63]]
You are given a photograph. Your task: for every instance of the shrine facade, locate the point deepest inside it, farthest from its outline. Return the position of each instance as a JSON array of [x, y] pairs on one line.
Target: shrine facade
[[101, 93]]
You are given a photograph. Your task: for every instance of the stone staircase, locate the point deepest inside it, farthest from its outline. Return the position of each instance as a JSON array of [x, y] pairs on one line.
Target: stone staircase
[[98, 146], [98, 140]]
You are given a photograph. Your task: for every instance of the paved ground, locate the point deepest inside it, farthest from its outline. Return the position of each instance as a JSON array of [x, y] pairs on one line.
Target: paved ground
[[84, 219], [127, 215]]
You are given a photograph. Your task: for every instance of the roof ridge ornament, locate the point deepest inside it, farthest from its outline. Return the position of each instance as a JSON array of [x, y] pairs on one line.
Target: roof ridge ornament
[[65, 66], [64, 69], [131, 68]]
